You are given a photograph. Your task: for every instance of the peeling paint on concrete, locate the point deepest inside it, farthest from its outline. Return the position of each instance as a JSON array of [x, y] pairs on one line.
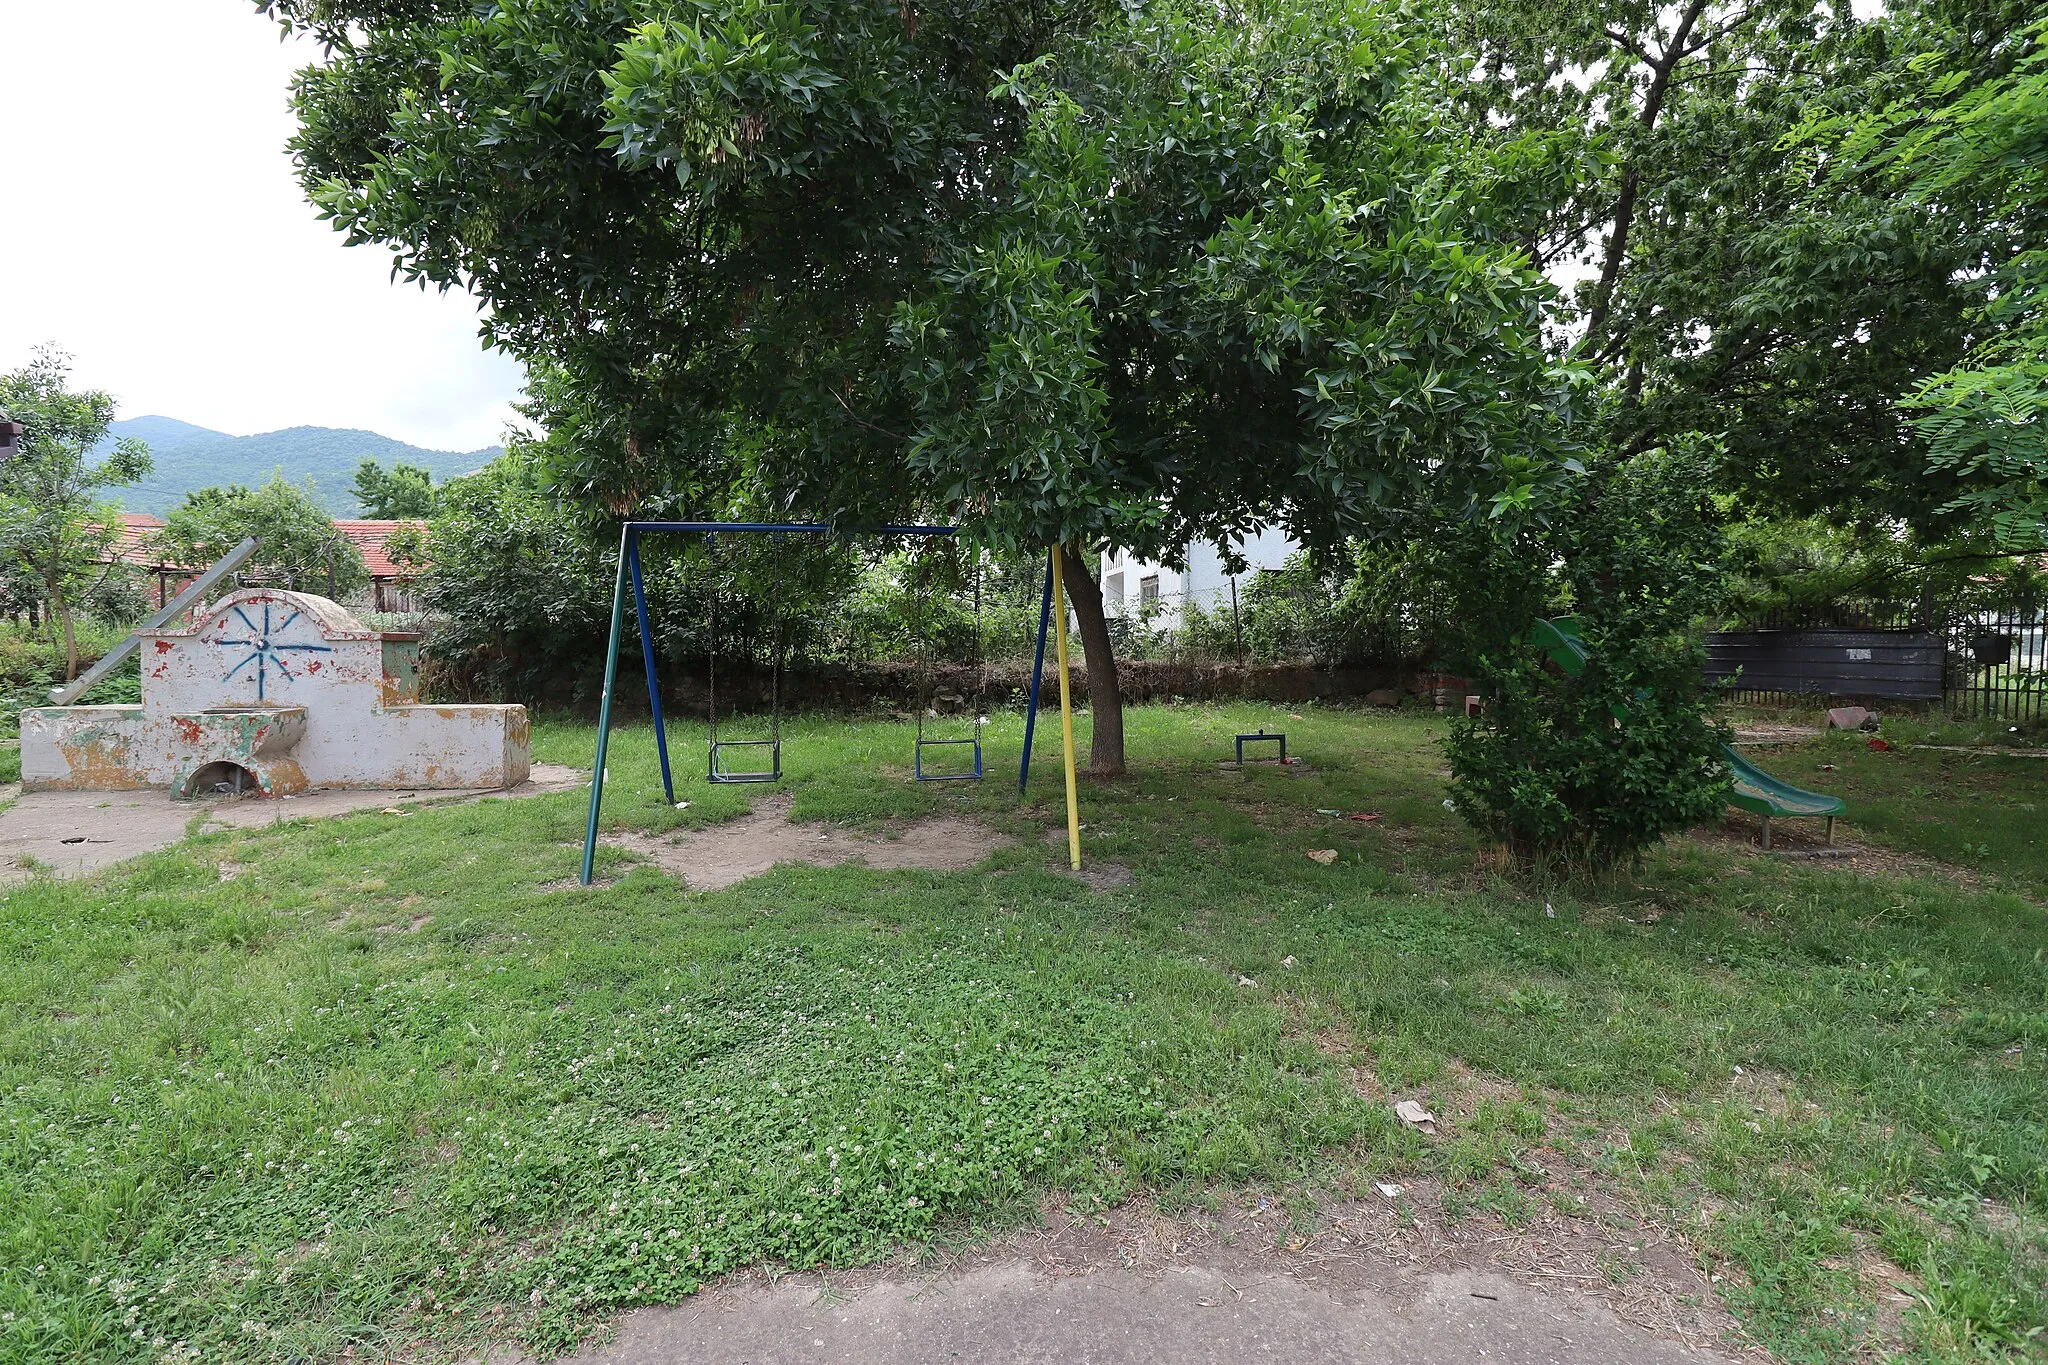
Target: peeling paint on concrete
[[289, 687]]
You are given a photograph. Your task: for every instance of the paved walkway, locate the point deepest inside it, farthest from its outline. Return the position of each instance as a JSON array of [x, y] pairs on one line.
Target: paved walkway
[[1009, 1312], [76, 833]]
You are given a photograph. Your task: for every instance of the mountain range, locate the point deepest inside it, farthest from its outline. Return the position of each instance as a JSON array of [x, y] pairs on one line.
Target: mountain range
[[188, 457]]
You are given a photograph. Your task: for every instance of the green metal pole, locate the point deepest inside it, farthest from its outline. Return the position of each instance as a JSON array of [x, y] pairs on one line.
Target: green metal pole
[[604, 707]]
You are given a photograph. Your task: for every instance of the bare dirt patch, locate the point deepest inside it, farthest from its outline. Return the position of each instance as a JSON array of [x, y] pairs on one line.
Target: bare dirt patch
[[722, 855], [1742, 833], [1763, 732]]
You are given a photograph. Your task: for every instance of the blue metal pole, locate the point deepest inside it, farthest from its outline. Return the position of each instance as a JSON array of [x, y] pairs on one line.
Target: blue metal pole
[[604, 708], [792, 527], [668, 785], [1037, 673]]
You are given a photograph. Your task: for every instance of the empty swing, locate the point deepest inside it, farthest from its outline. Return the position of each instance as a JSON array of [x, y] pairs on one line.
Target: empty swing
[[716, 769], [926, 696]]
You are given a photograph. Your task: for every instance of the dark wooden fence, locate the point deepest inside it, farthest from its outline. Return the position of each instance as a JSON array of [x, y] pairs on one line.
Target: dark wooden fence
[[1974, 662]]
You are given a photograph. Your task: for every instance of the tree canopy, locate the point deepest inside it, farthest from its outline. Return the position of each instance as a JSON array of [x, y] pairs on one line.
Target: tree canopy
[[1060, 270], [56, 526], [402, 492], [297, 546]]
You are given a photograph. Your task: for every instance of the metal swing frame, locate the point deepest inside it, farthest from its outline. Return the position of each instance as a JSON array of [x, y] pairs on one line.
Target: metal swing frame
[[629, 577]]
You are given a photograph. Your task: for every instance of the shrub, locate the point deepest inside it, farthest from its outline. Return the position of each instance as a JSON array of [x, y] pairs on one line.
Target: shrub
[[1581, 771]]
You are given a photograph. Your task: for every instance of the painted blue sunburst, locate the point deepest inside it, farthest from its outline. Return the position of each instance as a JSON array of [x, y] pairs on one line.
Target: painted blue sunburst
[[264, 650]]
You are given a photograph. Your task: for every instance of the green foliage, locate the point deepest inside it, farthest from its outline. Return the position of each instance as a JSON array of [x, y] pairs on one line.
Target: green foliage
[[863, 262], [1242, 273], [1984, 147], [1582, 770], [405, 492], [1370, 602], [1810, 566], [1737, 280], [55, 528], [297, 545], [30, 665], [525, 593]]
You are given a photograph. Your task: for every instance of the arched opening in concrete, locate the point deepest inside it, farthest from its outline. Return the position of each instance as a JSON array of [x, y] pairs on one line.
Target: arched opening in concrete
[[222, 778]]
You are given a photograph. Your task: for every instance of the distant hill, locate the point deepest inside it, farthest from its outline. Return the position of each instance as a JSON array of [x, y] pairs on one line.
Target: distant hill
[[189, 457]]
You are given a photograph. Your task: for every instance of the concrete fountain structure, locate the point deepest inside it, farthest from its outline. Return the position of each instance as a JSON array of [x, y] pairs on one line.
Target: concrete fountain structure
[[278, 692]]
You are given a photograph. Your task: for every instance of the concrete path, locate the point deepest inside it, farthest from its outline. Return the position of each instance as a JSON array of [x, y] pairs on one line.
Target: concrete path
[[1010, 1312], [77, 833]]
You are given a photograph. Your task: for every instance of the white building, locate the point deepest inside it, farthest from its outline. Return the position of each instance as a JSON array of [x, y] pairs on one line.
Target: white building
[[1130, 584]]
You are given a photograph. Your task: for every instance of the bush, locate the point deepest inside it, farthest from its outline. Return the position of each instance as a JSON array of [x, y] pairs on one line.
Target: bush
[[1579, 772]]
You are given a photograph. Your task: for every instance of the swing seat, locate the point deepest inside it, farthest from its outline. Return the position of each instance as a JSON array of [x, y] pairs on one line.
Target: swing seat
[[1261, 738], [718, 772], [918, 774]]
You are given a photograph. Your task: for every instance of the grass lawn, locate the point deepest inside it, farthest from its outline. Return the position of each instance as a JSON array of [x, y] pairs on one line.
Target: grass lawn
[[394, 1082]]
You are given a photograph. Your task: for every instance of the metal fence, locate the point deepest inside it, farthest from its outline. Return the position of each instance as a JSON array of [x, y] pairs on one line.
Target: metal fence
[[1994, 660]]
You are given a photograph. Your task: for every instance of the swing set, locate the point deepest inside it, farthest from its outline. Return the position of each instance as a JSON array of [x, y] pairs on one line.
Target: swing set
[[721, 767]]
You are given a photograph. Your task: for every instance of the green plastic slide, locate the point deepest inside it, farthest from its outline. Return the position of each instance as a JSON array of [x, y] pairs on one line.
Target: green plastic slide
[[1754, 790]]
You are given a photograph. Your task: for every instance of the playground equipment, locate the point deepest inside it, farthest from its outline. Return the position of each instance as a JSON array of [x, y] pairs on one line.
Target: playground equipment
[[1052, 611], [715, 769], [276, 692], [1753, 789], [1261, 738], [926, 695]]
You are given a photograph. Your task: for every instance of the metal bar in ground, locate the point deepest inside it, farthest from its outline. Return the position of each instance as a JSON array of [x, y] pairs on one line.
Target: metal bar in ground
[[668, 785], [793, 528], [604, 710], [114, 658]]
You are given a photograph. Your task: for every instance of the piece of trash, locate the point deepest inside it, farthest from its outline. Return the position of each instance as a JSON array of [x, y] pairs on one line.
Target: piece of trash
[[1549, 910], [393, 810], [1450, 805], [1880, 746], [1365, 816], [1246, 981], [1287, 961], [1738, 1071], [1325, 856], [1391, 1191], [1410, 1112], [1827, 767], [682, 805], [1320, 811], [1292, 716]]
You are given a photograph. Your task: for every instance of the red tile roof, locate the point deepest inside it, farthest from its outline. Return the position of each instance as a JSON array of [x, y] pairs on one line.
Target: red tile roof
[[136, 529], [369, 537]]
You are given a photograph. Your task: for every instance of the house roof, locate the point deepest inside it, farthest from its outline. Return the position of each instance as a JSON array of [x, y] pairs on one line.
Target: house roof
[[369, 538], [135, 531]]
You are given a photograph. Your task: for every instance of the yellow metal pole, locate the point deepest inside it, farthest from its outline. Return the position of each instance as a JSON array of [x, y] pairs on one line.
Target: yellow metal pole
[[1059, 616]]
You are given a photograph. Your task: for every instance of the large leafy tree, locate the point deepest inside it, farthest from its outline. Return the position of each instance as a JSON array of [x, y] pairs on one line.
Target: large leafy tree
[[56, 527], [404, 491], [1972, 142], [1068, 273], [297, 546], [1732, 278]]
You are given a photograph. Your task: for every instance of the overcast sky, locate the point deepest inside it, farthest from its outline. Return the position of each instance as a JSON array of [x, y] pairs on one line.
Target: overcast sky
[[150, 225]]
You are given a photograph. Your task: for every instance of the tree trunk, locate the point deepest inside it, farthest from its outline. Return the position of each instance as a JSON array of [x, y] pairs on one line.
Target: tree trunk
[[61, 609], [1105, 693]]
